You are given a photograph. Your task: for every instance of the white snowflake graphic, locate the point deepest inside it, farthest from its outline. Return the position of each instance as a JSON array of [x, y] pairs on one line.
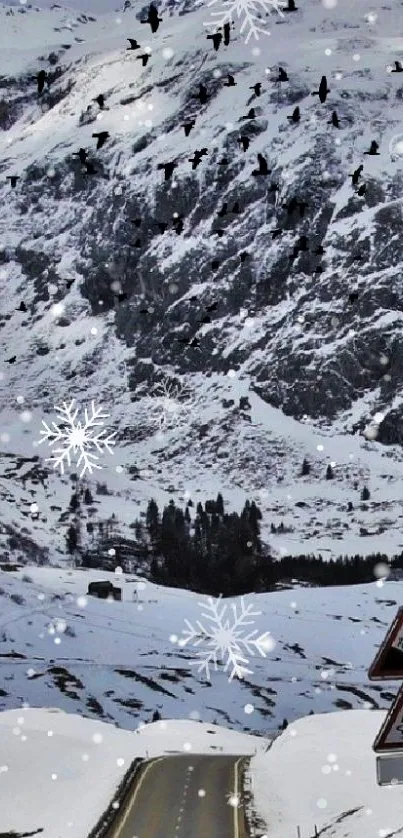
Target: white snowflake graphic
[[252, 12], [224, 638], [74, 437], [170, 405]]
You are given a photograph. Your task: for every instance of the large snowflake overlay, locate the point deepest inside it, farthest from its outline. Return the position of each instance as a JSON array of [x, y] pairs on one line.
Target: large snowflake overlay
[[169, 406], [74, 437], [252, 12], [224, 639]]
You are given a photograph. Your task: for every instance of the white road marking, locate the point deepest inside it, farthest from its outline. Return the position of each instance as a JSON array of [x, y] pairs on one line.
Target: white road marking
[[136, 790]]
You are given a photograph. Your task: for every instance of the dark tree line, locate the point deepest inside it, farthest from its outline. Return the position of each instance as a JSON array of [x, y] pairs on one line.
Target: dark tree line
[[218, 552], [212, 551]]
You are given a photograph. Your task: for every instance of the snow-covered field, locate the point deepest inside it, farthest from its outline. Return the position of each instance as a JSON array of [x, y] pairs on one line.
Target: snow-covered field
[[322, 771], [93, 355], [64, 770], [119, 661]]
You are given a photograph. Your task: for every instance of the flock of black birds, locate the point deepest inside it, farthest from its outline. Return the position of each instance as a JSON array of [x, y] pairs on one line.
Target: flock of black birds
[[262, 171]]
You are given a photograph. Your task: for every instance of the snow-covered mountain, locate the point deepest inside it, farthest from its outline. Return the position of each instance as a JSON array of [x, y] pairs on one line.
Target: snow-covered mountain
[[120, 661], [106, 303]]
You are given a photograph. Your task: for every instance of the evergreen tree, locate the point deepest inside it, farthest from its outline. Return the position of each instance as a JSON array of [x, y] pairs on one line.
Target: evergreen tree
[[365, 495], [329, 472], [306, 468], [88, 499], [72, 539], [219, 505], [74, 502], [153, 524]]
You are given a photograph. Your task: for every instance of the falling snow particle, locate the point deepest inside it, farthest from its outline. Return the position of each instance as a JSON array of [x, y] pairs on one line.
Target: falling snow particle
[[252, 12], [74, 436], [224, 639]]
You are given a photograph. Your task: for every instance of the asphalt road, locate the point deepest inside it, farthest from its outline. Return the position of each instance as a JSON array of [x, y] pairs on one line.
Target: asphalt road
[[166, 803]]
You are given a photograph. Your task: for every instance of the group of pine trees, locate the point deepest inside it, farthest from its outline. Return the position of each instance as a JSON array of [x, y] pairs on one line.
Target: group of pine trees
[[213, 551], [216, 552]]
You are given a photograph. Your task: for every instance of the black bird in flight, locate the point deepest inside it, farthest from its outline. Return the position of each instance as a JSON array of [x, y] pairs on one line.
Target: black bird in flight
[[257, 88], [244, 142], [250, 115], [168, 168], [11, 360], [373, 149], [398, 67], [356, 175], [323, 90], [263, 168], [144, 57], [202, 95], [291, 7], [13, 180], [295, 116], [361, 190], [216, 38], [231, 81], [188, 127], [227, 30], [197, 157], [152, 18], [82, 154], [102, 138], [41, 78], [100, 99], [282, 75], [133, 44], [334, 120]]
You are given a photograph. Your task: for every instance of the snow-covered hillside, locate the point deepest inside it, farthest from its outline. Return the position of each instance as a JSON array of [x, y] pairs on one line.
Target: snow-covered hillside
[[319, 772], [52, 757], [106, 303], [322, 772], [119, 661]]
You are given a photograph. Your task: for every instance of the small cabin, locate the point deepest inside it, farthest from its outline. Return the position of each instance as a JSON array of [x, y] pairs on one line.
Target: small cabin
[[103, 590]]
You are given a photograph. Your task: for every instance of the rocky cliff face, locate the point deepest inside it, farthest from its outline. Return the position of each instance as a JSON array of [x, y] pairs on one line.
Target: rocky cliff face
[[97, 306]]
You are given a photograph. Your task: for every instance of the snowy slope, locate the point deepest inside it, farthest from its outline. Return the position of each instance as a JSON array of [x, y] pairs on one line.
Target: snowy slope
[[322, 771], [52, 756], [286, 337], [119, 661]]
